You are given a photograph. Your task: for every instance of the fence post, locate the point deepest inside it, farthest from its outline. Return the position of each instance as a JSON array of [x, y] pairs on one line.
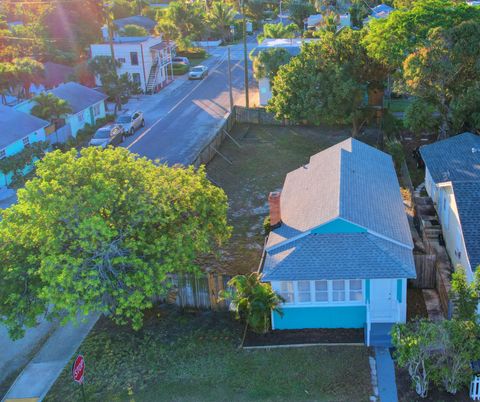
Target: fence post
[[212, 291]]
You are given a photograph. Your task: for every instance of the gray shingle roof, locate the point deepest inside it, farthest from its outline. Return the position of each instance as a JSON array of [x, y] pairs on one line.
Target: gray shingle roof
[[78, 96], [338, 256], [355, 182], [350, 180], [452, 159], [15, 125], [467, 197]]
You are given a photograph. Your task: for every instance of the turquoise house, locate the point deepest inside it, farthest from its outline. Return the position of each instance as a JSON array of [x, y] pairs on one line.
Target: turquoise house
[[18, 130], [88, 106], [340, 248]]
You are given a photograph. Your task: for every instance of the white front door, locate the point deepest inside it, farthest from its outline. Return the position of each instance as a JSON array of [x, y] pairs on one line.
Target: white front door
[[383, 302]]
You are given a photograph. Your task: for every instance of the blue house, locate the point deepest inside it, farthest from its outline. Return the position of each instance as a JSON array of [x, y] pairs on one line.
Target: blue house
[[88, 106], [340, 248], [18, 130], [452, 180]]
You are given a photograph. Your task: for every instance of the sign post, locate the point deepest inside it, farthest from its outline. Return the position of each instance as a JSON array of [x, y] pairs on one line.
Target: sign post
[[78, 372]]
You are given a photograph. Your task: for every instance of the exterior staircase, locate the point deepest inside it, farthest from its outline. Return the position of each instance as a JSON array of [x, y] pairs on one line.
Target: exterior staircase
[[152, 78], [380, 334]]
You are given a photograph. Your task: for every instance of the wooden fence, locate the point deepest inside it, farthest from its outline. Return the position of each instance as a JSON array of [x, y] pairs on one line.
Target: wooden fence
[[425, 265], [199, 291], [257, 116]]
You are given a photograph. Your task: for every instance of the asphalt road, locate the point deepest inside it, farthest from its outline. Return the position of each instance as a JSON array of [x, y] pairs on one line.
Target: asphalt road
[[182, 118]]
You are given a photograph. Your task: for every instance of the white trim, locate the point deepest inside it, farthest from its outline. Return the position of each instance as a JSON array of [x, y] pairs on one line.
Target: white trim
[[276, 286]]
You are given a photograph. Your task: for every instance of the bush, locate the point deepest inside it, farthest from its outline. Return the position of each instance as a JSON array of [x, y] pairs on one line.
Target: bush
[[180, 69], [419, 117], [395, 148], [193, 53], [391, 125], [266, 225]]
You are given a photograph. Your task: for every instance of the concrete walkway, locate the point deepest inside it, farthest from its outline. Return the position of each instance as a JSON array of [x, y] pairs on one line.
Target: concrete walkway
[[387, 387], [40, 374]]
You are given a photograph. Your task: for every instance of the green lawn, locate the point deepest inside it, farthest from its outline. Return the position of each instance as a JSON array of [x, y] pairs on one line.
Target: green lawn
[[194, 356], [397, 105]]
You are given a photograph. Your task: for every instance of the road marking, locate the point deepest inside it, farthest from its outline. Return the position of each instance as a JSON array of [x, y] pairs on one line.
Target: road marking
[[216, 66]]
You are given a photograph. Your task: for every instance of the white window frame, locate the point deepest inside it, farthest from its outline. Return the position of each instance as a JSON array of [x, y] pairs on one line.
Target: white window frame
[[313, 303], [81, 116], [3, 153], [96, 109], [26, 141]]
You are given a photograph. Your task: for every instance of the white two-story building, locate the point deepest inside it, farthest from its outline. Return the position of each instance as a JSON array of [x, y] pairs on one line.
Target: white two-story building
[[148, 60]]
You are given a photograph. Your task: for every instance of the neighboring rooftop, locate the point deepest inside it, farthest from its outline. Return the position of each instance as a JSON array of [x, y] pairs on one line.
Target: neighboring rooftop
[[453, 159], [78, 96], [293, 46], [16, 125], [139, 20], [467, 198], [382, 11]]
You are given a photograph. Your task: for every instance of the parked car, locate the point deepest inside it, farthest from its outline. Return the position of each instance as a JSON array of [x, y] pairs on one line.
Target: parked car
[[131, 121], [111, 134], [181, 60], [198, 73]]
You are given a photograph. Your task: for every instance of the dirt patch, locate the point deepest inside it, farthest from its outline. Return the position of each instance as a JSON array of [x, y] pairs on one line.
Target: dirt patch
[[266, 155], [416, 307], [305, 337], [406, 392]]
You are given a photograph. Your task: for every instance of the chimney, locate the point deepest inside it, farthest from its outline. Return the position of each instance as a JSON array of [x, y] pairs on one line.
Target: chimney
[[275, 214]]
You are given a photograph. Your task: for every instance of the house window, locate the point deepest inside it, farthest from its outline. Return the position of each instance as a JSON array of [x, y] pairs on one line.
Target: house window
[[80, 117], [134, 58], [3, 153], [321, 291], [26, 141], [356, 291], [136, 78], [303, 291], [96, 109], [286, 291], [121, 59], [338, 291]]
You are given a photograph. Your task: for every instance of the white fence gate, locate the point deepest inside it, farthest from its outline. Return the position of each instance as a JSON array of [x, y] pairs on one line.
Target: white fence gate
[[475, 388]]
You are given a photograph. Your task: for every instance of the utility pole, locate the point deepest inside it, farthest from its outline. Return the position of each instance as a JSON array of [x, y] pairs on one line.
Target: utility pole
[[245, 52], [281, 15], [230, 81], [109, 22]]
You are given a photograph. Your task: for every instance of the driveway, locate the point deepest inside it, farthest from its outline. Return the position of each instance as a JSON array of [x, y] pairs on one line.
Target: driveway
[[182, 118]]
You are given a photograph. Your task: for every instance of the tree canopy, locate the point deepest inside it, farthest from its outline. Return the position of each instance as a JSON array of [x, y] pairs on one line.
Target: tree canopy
[[49, 107], [278, 31], [100, 231], [268, 62]]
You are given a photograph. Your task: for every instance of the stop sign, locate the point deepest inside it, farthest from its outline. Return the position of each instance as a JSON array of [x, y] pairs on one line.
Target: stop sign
[[78, 369]]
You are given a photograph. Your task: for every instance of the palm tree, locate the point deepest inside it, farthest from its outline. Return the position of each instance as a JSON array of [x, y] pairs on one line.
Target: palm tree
[[49, 107], [7, 78], [220, 17], [253, 301]]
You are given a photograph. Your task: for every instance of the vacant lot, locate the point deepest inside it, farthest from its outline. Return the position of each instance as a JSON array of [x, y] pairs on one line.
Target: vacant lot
[[194, 356], [266, 155]]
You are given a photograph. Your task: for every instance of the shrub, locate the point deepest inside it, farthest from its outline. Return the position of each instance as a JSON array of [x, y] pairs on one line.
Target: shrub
[[266, 225], [391, 125], [395, 148], [419, 117], [180, 69], [464, 295], [193, 53]]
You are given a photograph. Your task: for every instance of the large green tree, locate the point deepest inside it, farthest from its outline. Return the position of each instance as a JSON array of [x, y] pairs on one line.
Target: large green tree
[[267, 63], [299, 10], [390, 40], [327, 82], [278, 31], [100, 231], [220, 17], [182, 19], [445, 69]]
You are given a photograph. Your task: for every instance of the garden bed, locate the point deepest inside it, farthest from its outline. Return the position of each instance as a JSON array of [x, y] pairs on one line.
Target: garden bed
[[406, 392], [305, 337]]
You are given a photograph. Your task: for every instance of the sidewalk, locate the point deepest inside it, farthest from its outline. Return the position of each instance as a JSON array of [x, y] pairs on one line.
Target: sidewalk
[[387, 386], [40, 374]]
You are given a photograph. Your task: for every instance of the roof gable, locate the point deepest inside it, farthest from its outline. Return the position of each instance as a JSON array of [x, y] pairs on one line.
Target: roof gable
[[79, 97]]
